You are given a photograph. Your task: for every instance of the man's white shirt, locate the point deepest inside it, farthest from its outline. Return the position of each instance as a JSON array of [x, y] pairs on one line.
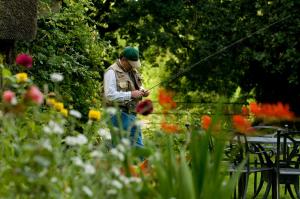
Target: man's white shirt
[[110, 88]]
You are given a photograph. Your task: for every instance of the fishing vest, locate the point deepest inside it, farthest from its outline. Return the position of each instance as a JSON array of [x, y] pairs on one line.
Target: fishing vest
[[126, 81]]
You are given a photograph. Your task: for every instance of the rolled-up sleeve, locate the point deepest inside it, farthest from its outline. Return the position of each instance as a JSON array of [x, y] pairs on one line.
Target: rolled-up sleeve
[[110, 88]]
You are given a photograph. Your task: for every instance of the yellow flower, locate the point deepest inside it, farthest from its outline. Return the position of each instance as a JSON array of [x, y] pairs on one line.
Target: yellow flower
[[59, 106], [94, 115], [21, 77], [64, 112], [51, 101]]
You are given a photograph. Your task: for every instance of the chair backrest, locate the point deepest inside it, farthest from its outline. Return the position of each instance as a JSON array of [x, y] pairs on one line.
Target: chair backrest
[[288, 148]]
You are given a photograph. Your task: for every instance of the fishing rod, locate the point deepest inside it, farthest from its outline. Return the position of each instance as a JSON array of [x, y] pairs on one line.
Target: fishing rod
[[218, 52]]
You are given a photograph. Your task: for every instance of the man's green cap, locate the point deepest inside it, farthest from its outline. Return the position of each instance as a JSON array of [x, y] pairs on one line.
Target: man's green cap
[[132, 55]]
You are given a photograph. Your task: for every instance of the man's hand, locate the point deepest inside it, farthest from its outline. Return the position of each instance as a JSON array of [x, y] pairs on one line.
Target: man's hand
[[137, 94], [145, 93]]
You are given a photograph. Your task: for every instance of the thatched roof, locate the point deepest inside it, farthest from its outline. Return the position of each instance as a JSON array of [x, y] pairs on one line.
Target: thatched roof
[[18, 19]]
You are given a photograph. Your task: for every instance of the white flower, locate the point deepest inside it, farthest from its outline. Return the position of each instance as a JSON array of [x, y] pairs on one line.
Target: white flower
[[125, 141], [124, 179], [111, 110], [14, 101], [96, 154], [54, 180], [117, 153], [53, 127], [56, 77], [117, 184], [81, 139], [87, 191], [47, 144], [76, 140], [121, 148], [135, 179], [75, 113], [112, 192], [115, 171], [105, 134], [89, 169], [77, 161]]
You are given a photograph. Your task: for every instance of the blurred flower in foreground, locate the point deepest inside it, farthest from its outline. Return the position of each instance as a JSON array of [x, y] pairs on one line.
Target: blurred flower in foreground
[[277, 111], [75, 114], [105, 134], [56, 77], [64, 112], [241, 123], [94, 115], [53, 128], [144, 107], [111, 110], [58, 106], [9, 97], [24, 60], [21, 77], [35, 95], [165, 99], [80, 139], [50, 101], [169, 128]]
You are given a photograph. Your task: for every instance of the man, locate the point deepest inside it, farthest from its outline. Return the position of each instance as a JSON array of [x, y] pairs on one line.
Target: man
[[123, 88]]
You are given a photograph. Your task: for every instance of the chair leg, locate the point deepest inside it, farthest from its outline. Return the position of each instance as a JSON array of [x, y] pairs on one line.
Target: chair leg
[[288, 186], [261, 183], [268, 188], [242, 187], [296, 187]]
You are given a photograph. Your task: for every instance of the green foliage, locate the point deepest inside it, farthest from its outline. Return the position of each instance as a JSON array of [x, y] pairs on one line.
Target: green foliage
[[267, 62], [67, 44]]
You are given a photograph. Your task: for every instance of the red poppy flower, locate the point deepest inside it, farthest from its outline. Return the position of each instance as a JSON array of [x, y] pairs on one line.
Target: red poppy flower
[[169, 128], [205, 121], [165, 99], [277, 111], [144, 107], [245, 110], [241, 123], [24, 60]]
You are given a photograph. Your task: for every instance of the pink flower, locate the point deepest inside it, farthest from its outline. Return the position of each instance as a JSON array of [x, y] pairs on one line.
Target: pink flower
[[8, 96], [35, 95], [144, 107], [24, 60]]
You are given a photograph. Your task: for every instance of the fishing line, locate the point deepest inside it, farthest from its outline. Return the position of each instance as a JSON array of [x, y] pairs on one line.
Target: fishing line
[[217, 52]]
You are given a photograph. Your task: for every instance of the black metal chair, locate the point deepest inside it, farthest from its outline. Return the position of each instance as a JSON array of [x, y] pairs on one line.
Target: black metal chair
[[256, 162], [287, 170]]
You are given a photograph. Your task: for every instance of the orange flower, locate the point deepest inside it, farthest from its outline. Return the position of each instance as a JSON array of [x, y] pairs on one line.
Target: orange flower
[[165, 99], [245, 110], [144, 167], [277, 111], [169, 128], [241, 123], [205, 121]]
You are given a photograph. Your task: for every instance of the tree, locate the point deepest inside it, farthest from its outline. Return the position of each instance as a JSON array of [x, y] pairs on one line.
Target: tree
[[267, 62]]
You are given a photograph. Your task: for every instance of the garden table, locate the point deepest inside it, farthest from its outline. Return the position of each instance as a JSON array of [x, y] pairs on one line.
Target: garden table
[[265, 147]]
